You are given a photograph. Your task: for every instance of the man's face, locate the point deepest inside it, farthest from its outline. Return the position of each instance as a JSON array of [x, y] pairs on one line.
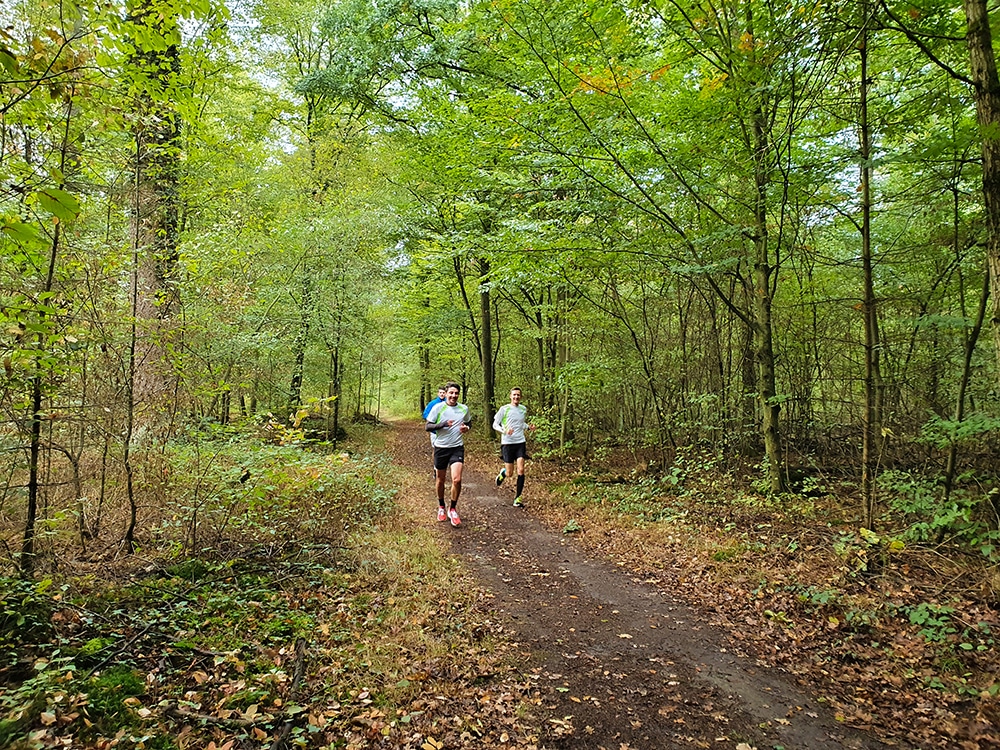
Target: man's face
[[452, 396], [515, 397], [442, 393]]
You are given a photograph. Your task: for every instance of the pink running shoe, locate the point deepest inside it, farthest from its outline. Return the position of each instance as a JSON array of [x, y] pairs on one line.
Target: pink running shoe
[[442, 516], [453, 515]]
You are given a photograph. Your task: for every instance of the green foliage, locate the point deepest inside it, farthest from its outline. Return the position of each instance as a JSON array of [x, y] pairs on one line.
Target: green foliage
[[934, 620], [23, 704], [819, 597], [25, 614], [646, 500], [228, 489], [918, 500], [943, 433]]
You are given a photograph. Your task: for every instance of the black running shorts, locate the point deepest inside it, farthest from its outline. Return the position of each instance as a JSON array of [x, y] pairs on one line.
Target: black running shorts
[[445, 457], [513, 451]]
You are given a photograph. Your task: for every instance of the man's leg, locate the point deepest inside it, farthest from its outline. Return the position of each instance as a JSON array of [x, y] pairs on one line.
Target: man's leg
[[456, 482], [520, 480], [439, 477], [504, 471], [456, 490]]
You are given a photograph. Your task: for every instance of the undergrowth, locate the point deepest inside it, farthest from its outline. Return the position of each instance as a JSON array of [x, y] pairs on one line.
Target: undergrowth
[[285, 609]]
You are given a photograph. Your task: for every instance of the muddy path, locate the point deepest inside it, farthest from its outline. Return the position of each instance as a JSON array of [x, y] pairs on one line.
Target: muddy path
[[620, 663]]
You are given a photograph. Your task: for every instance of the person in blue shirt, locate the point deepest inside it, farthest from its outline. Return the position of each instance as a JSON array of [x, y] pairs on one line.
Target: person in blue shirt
[[431, 405]]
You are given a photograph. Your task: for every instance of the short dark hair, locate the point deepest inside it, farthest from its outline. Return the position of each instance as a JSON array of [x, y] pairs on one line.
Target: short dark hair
[[515, 388], [448, 386]]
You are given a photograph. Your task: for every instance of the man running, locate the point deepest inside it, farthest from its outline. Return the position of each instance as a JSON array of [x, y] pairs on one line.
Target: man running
[[510, 421], [448, 422]]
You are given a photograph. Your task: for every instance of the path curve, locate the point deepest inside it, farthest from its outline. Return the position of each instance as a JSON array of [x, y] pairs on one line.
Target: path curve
[[620, 663]]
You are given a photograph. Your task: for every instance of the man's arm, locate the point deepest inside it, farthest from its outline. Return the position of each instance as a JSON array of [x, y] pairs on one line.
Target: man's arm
[[431, 425], [498, 419]]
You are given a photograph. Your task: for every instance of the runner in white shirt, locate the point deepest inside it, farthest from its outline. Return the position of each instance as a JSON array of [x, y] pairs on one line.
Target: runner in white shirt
[[511, 420], [448, 422]]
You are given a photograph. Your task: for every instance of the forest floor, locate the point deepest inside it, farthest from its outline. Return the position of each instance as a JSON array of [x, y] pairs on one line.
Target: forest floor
[[325, 607], [633, 647]]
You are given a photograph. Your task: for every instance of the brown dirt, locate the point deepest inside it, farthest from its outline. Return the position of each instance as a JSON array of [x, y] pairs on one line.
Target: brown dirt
[[620, 662]]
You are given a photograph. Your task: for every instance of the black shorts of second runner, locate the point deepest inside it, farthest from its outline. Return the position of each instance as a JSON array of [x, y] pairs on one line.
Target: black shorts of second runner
[[513, 451], [445, 457]]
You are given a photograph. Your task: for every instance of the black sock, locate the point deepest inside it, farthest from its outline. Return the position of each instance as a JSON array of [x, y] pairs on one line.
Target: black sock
[[520, 484]]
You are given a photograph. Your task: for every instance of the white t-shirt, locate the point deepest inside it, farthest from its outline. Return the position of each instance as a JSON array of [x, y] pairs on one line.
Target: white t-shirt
[[510, 417], [449, 437]]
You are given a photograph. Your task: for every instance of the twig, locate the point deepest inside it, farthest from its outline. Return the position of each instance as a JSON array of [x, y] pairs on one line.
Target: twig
[[118, 651], [180, 713], [300, 668]]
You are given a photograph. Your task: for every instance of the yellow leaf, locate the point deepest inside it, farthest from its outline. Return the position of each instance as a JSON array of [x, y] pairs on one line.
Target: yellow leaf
[[47, 718]]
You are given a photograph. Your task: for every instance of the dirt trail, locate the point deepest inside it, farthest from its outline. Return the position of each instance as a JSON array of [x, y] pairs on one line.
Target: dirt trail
[[621, 663]]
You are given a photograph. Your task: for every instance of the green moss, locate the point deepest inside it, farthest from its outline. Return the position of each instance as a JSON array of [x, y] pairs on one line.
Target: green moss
[[106, 695]]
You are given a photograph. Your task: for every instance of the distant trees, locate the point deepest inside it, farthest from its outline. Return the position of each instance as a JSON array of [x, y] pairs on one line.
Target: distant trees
[[153, 219], [751, 178]]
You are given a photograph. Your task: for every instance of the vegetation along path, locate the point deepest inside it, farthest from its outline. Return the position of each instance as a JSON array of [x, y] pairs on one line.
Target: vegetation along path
[[620, 662]]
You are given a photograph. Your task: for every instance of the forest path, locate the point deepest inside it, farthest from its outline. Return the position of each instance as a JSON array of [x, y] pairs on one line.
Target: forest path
[[620, 662]]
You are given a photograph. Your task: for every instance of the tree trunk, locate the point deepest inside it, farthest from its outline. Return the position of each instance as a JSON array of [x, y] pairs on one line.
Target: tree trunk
[[299, 346], [763, 324], [963, 385], [983, 67], [39, 370], [155, 209], [486, 350], [870, 422]]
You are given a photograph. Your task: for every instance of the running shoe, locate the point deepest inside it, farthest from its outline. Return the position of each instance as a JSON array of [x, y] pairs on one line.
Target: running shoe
[[517, 502], [442, 516], [501, 476], [453, 515]]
